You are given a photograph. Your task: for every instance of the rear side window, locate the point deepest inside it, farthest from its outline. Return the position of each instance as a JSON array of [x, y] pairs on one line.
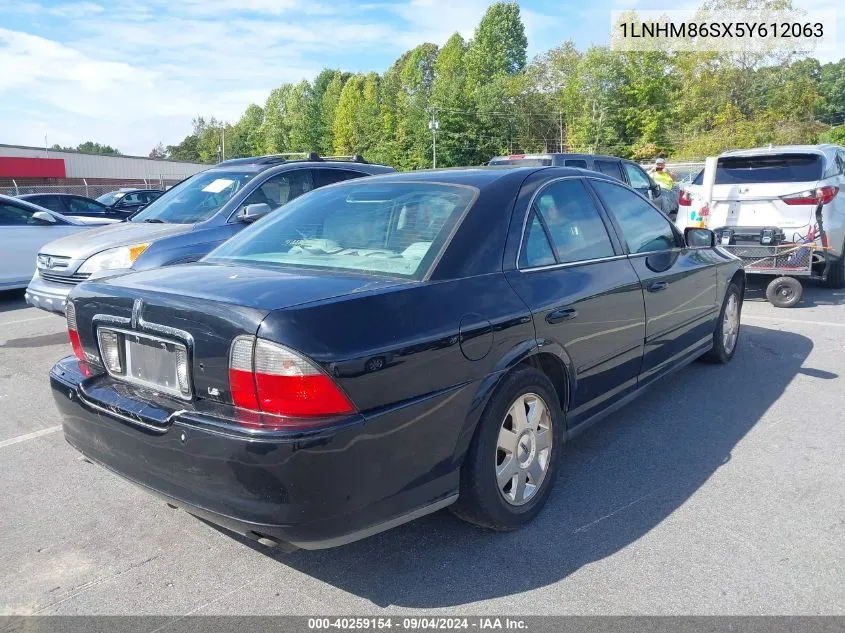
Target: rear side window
[[54, 203], [331, 176], [81, 205], [576, 162], [572, 221], [644, 228], [609, 167], [739, 170]]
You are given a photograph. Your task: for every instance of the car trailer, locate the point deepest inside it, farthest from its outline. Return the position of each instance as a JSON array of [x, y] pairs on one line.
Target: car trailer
[[768, 251]]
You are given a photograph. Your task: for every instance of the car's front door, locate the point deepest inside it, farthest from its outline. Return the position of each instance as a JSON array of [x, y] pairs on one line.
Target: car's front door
[[679, 283], [22, 236], [583, 294]]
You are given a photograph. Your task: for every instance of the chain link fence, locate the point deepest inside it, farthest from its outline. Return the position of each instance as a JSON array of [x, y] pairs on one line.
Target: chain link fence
[[89, 190]]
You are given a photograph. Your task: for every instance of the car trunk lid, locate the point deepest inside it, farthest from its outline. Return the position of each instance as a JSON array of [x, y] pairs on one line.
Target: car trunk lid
[[202, 307], [750, 191]]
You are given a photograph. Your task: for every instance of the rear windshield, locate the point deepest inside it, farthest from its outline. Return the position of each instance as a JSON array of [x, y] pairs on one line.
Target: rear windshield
[[522, 162], [738, 170], [393, 229]]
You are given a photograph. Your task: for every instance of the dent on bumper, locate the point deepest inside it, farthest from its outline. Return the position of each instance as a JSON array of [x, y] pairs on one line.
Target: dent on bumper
[[312, 490]]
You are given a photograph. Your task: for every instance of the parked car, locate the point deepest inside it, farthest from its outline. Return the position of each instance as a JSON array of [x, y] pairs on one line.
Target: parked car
[[72, 205], [189, 220], [128, 201], [513, 307], [776, 190], [626, 171], [24, 229]]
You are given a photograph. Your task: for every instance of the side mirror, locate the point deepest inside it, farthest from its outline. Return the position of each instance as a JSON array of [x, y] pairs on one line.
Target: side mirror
[[43, 217], [252, 212], [699, 238], [656, 191]]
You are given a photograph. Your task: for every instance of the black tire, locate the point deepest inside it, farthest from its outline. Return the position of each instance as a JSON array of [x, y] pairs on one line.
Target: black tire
[[480, 501], [723, 353], [836, 275], [784, 292]]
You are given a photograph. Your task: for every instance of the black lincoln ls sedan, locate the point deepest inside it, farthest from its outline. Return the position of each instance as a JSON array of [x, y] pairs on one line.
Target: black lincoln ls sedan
[[382, 348]]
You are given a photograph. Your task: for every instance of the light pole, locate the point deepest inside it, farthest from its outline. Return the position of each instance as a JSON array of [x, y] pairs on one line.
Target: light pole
[[433, 125]]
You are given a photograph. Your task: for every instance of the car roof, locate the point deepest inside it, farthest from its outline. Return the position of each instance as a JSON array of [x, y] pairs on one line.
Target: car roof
[[261, 163], [782, 149], [475, 176], [24, 196], [565, 155]]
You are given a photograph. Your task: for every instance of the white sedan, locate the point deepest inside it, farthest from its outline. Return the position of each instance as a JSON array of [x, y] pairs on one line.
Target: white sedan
[[24, 229]]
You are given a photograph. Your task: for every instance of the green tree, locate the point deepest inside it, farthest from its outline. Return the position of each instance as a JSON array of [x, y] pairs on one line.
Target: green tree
[[452, 105], [328, 107], [275, 129], [245, 139], [498, 47]]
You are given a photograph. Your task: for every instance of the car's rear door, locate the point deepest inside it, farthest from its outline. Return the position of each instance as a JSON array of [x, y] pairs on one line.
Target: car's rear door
[[583, 293], [609, 167], [679, 284]]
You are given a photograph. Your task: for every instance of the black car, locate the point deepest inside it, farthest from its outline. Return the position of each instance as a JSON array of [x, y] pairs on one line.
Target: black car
[[508, 309], [128, 201], [74, 205], [621, 169]]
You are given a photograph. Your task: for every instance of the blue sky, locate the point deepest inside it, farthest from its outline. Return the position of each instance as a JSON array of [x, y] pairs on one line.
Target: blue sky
[[131, 73]]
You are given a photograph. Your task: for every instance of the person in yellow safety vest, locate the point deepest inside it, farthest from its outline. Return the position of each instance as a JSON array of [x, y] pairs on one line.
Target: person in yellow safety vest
[[662, 176]]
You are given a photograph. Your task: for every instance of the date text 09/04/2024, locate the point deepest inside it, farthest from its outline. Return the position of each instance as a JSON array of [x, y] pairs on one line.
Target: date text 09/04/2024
[[417, 623]]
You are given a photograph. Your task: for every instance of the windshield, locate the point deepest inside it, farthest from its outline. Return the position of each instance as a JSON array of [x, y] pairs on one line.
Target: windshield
[[394, 228], [109, 199], [195, 199], [740, 170]]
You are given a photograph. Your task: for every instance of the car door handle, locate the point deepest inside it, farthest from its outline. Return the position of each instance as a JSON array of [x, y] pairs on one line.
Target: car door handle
[[657, 286], [561, 314]]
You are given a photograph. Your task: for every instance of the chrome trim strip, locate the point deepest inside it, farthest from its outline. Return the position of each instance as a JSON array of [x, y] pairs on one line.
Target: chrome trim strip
[[580, 262]]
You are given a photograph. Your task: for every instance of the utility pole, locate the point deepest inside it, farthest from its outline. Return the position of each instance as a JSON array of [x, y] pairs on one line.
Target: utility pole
[[433, 125], [560, 120]]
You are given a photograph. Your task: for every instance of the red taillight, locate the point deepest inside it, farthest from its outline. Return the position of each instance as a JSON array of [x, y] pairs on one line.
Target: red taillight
[[821, 195], [268, 378], [685, 200], [73, 333]]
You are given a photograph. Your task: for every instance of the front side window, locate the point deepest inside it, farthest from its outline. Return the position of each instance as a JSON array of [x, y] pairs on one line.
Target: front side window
[[644, 228], [394, 228], [282, 188], [110, 198], [636, 177], [14, 216], [195, 199], [572, 221]]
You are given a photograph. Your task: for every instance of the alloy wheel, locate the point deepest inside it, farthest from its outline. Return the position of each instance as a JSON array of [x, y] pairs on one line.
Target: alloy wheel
[[523, 450]]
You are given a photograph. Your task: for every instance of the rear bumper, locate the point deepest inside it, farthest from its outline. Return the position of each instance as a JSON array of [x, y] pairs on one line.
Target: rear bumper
[[312, 490], [48, 295]]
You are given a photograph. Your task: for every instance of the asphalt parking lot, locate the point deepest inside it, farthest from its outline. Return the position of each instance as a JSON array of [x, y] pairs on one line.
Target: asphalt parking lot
[[721, 491]]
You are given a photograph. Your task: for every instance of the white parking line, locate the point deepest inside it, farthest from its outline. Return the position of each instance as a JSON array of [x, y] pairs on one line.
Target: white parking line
[[754, 317], [41, 318], [30, 436]]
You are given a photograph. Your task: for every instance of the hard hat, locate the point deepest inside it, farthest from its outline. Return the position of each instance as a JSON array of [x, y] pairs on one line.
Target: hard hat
[[660, 161]]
